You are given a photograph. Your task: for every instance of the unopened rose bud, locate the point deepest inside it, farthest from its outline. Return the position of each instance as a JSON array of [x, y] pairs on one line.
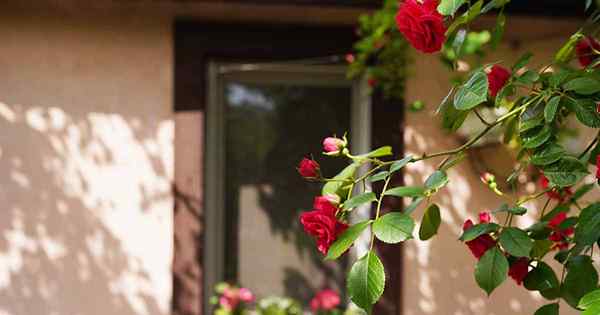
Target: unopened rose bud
[[490, 180], [333, 146], [350, 58], [309, 168], [485, 217]]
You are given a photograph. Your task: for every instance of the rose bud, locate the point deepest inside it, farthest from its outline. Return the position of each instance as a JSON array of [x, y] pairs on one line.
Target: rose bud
[[333, 146], [586, 50], [490, 180], [422, 25], [350, 58], [497, 78], [308, 168], [598, 167]]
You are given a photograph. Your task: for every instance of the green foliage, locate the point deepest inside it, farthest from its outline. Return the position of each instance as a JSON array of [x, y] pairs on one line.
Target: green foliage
[[541, 278], [581, 279], [358, 200], [399, 164], [344, 241], [587, 231], [406, 191], [337, 185], [478, 230], [473, 92], [366, 281], [430, 223], [565, 172], [491, 270], [548, 309], [516, 242], [393, 227], [436, 181]]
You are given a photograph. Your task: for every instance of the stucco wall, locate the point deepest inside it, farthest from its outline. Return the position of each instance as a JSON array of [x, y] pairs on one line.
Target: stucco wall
[[86, 160], [438, 274]]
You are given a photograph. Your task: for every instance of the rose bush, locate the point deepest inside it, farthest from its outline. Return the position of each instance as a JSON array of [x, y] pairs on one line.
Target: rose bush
[[537, 104]]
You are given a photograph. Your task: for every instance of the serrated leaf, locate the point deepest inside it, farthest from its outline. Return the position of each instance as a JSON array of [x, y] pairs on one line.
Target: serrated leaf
[[515, 242], [399, 164], [332, 187], [491, 270], [541, 278], [449, 7], [473, 92], [548, 154], [346, 239], [436, 180], [359, 200], [477, 230], [393, 227], [406, 191], [548, 309], [551, 108], [366, 281], [587, 231], [589, 299], [452, 118], [583, 86], [586, 112], [430, 223], [536, 137], [581, 279], [566, 172], [379, 176]]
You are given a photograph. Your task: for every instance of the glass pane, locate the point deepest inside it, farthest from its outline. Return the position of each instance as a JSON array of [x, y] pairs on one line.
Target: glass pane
[[269, 128]]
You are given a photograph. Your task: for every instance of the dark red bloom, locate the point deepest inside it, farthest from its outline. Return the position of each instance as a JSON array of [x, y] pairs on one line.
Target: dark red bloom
[[519, 269], [585, 50], [598, 167], [372, 81], [479, 245], [485, 217], [422, 25], [325, 300], [497, 78], [558, 235], [308, 168], [560, 195], [322, 223]]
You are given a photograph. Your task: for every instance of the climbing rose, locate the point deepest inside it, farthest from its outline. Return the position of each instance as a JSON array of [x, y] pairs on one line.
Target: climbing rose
[[308, 168], [481, 244], [560, 195], [558, 235], [422, 25], [322, 223], [519, 269], [497, 78], [585, 50], [325, 300], [333, 145]]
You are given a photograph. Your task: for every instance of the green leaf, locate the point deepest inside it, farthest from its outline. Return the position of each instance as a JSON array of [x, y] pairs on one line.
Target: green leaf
[[473, 92], [399, 164], [430, 223], [531, 118], [536, 137], [491, 270], [551, 109], [332, 187], [516, 242], [366, 281], [522, 62], [592, 310], [449, 7], [498, 30], [548, 309], [406, 191], [587, 231], [346, 239], [589, 299], [379, 152], [379, 176], [566, 172], [477, 230], [585, 111], [514, 210], [583, 86], [359, 200], [541, 248], [414, 204], [548, 154], [393, 227], [581, 279], [452, 118], [436, 180], [541, 278], [565, 53], [539, 230], [528, 77]]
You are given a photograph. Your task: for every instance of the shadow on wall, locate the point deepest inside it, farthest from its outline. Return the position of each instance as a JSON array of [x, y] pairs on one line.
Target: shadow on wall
[[86, 207]]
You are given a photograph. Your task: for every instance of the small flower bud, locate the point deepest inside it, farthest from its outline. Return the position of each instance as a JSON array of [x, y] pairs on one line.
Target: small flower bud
[[309, 168], [350, 58], [333, 146]]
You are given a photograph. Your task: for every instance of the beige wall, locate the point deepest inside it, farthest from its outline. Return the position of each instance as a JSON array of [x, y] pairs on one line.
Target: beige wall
[[86, 160], [438, 275]]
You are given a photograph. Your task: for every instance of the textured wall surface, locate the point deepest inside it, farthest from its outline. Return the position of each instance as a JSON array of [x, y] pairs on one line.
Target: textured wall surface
[[86, 157]]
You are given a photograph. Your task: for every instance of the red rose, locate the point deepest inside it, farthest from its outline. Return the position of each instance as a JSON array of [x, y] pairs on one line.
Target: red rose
[[422, 25], [585, 50], [519, 270], [479, 245], [559, 236], [485, 217], [560, 195], [497, 78], [322, 223], [372, 81], [598, 167], [308, 168], [333, 145], [325, 300]]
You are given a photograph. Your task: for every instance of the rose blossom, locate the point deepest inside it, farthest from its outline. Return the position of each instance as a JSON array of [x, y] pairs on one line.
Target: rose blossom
[[246, 295], [598, 167], [422, 25], [497, 78], [333, 145], [325, 300], [308, 168], [560, 195], [322, 223], [559, 236], [482, 243], [585, 50], [519, 269]]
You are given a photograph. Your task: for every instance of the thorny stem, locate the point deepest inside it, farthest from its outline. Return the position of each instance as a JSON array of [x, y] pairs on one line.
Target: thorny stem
[[378, 210]]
